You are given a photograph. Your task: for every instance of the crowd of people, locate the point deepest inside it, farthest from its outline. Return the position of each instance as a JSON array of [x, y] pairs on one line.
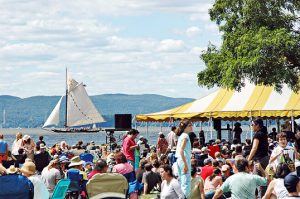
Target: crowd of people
[[180, 165]]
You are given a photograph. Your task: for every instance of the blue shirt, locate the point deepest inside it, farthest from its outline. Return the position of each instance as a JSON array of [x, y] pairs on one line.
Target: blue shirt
[[3, 147]]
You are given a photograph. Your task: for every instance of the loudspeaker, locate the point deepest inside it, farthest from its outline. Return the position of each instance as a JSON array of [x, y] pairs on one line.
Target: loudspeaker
[[217, 124], [123, 121]]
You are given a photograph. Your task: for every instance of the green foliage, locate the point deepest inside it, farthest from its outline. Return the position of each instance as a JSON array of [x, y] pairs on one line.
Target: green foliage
[[261, 43]]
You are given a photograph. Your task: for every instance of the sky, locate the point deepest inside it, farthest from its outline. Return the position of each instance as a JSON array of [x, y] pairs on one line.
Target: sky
[[115, 46]]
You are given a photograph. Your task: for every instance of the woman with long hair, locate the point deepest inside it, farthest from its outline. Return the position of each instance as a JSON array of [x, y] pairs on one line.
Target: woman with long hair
[[260, 145], [183, 154], [17, 143], [170, 187]]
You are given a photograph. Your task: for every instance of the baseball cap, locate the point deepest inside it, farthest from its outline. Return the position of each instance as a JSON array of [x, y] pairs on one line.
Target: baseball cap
[[207, 160]]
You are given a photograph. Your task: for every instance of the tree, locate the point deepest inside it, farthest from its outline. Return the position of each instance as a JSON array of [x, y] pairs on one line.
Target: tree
[[261, 43]]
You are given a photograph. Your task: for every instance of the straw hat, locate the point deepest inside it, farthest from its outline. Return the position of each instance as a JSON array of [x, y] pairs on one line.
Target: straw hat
[[28, 168], [75, 161], [11, 170], [26, 137], [42, 146]]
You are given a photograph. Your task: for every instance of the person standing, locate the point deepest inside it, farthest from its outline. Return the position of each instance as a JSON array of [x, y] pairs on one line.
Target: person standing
[[17, 144], [183, 154], [237, 130], [260, 145], [162, 144], [29, 146], [129, 146], [172, 138], [3, 148]]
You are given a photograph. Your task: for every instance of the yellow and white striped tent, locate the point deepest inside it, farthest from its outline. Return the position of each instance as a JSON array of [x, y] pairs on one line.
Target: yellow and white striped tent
[[251, 101]]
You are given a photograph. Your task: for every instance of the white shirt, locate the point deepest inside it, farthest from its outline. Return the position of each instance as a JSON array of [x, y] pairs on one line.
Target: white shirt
[[288, 151], [171, 138], [171, 190], [40, 189], [49, 177]]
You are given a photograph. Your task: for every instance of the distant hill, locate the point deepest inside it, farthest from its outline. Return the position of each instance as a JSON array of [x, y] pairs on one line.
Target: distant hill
[[33, 111]]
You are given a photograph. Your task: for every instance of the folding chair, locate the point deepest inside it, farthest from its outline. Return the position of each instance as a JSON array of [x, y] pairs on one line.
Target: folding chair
[[107, 185], [61, 189]]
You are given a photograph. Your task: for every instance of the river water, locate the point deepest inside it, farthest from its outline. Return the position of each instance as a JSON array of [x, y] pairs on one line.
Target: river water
[[52, 138]]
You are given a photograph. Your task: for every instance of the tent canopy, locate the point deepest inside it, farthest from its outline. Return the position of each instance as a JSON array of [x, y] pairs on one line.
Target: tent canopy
[[251, 101]]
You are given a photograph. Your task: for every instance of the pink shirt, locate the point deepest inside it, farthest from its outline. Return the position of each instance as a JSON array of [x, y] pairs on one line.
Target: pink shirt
[[123, 168], [127, 143], [213, 184]]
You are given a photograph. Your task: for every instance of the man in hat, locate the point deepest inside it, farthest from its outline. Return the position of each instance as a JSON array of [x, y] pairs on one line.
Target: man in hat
[[292, 185], [208, 169], [77, 164], [3, 148], [78, 176], [51, 175], [40, 190]]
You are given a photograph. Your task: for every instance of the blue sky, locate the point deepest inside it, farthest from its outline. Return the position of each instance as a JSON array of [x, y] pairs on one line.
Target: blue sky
[[116, 46]]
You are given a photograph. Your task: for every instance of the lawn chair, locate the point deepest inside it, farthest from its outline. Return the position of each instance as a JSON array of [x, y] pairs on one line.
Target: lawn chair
[[16, 187], [87, 157], [61, 189], [107, 185]]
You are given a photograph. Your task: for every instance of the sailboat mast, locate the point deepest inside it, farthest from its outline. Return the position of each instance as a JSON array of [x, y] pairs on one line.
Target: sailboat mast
[[66, 98]]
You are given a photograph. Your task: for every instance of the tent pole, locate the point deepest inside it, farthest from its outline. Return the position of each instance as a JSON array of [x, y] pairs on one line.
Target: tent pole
[[147, 131], [200, 125], [251, 131], [292, 120], [278, 125], [211, 127], [207, 126]]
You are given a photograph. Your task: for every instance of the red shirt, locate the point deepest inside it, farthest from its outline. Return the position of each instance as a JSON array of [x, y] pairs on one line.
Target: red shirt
[[127, 143], [206, 171], [92, 174]]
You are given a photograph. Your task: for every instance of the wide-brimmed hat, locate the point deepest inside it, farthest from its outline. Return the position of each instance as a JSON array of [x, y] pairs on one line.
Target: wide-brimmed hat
[[64, 159], [42, 146], [54, 161], [11, 170], [28, 168], [75, 161], [26, 137]]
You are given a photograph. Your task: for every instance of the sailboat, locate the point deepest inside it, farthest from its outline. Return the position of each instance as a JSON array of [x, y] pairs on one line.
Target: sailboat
[[80, 110]]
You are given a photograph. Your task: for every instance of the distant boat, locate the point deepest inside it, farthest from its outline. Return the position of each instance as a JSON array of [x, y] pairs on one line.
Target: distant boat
[[80, 111]]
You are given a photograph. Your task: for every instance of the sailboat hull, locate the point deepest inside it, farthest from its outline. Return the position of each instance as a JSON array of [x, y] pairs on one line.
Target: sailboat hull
[[76, 130]]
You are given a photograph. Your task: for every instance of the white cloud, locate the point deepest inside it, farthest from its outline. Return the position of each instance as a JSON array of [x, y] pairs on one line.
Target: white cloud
[[197, 50], [193, 31], [38, 39], [212, 28], [170, 45]]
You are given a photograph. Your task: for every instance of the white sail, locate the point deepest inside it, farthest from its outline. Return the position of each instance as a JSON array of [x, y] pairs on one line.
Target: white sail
[[81, 110], [53, 119]]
